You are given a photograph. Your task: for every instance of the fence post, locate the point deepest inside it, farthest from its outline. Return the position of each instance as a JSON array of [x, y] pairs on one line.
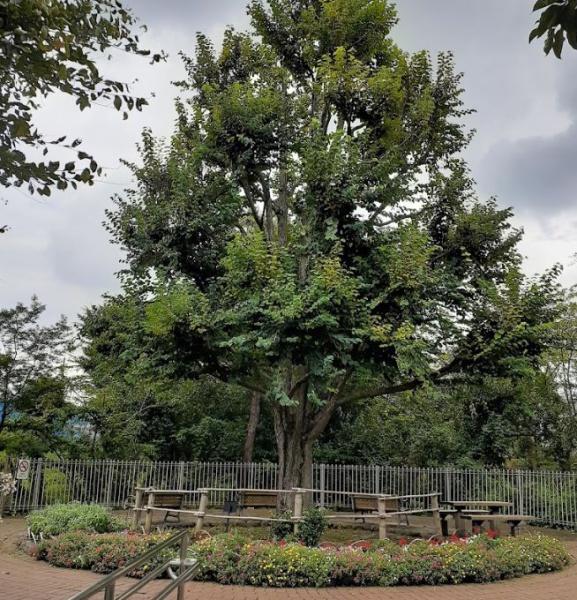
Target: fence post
[[37, 480], [436, 515], [322, 484], [137, 508], [520, 495], [298, 508], [382, 506], [109, 483], [149, 513], [201, 509], [183, 550]]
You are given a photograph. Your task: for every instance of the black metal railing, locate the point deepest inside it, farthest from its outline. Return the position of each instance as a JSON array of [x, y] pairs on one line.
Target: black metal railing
[[185, 570]]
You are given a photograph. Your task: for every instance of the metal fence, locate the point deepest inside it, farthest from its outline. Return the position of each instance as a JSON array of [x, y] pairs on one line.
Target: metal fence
[[550, 496]]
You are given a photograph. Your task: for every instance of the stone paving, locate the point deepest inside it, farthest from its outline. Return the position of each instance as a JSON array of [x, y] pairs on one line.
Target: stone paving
[[22, 578]]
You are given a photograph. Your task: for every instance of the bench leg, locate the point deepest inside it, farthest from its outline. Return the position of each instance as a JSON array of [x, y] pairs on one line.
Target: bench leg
[[444, 527]]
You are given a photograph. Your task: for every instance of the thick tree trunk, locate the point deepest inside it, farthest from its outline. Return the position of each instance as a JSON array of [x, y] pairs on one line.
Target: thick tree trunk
[[295, 466], [294, 446], [297, 426], [253, 419]]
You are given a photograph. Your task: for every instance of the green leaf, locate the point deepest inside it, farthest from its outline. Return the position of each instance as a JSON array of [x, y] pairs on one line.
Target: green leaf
[[540, 4], [21, 128], [558, 43], [117, 102]]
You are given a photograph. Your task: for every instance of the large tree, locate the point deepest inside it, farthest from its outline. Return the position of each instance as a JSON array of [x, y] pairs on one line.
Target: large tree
[[311, 232], [50, 46]]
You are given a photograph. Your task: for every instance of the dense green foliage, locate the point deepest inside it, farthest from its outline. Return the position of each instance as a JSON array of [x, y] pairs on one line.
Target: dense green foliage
[[36, 413], [519, 423], [49, 47], [311, 233], [139, 404], [557, 22], [62, 518], [101, 553], [312, 526], [233, 560]]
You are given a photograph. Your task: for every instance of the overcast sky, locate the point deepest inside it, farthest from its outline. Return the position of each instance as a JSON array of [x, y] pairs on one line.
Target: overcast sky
[[524, 151]]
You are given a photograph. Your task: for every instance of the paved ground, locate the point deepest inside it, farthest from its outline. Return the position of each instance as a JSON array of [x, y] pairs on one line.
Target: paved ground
[[22, 578]]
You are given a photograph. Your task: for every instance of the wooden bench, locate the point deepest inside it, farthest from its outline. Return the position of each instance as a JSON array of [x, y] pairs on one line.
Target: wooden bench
[[362, 503], [165, 500], [445, 513], [257, 499], [513, 521]]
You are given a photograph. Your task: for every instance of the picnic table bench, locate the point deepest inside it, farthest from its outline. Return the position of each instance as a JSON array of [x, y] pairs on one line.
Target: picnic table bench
[[169, 502], [257, 499], [482, 511]]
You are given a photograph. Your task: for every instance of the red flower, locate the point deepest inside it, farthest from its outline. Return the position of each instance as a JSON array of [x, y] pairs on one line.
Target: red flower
[[403, 542], [363, 545], [492, 534], [282, 543]]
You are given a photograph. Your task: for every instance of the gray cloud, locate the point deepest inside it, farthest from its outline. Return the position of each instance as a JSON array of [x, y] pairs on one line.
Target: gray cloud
[[536, 175], [524, 150]]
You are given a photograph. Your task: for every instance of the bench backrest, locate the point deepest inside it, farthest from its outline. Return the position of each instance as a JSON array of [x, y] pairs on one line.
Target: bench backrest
[[259, 499], [165, 500], [371, 503]]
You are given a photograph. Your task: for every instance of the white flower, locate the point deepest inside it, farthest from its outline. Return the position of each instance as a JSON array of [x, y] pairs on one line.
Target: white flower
[[7, 484]]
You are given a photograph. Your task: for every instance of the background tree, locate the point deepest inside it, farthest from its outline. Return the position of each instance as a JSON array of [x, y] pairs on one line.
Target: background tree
[[506, 422], [48, 47], [557, 22], [311, 232], [36, 382], [139, 404]]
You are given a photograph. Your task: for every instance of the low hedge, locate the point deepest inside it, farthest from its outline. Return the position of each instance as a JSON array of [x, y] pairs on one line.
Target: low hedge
[[61, 518], [232, 560], [101, 553]]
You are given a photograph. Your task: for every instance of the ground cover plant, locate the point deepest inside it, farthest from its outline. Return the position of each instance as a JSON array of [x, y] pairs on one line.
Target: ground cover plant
[[63, 518], [233, 560], [101, 553]]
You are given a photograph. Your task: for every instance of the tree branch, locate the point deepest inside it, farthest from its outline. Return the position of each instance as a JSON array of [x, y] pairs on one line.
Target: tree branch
[[402, 387]]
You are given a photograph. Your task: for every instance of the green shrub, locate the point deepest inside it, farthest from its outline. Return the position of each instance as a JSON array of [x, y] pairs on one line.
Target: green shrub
[[281, 530], [312, 526], [61, 518], [101, 553], [234, 560]]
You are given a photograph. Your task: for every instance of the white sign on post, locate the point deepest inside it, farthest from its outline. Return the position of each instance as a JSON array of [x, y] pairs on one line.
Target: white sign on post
[[23, 469]]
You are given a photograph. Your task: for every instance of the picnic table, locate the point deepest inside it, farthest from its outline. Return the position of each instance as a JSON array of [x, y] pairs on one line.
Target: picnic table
[[480, 511]]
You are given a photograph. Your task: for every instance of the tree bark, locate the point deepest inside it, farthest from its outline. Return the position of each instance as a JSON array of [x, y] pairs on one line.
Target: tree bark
[[253, 418], [295, 461]]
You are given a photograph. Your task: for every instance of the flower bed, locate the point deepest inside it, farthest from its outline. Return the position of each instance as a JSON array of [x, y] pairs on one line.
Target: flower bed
[[101, 553], [232, 560]]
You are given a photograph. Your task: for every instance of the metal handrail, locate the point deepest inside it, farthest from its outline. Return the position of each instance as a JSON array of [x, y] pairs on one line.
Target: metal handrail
[[108, 583]]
